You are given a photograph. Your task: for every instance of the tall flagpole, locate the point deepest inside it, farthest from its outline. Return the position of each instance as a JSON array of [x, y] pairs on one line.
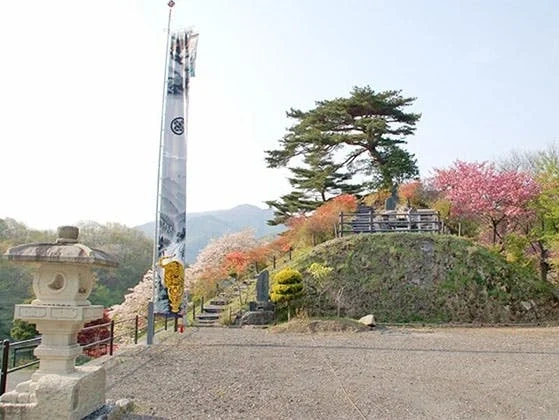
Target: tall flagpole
[[151, 323]]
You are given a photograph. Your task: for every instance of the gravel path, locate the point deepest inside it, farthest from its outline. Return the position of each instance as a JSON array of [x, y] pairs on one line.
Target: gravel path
[[390, 373]]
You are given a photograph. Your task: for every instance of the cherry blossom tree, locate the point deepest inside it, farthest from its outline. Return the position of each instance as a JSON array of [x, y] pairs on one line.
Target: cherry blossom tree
[[481, 192], [208, 269], [135, 303]]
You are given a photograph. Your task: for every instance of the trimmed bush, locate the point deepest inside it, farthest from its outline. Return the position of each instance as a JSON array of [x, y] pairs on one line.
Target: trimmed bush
[[288, 276], [287, 286]]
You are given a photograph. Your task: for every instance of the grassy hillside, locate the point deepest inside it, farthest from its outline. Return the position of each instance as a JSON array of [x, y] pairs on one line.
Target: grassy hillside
[[405, 277]]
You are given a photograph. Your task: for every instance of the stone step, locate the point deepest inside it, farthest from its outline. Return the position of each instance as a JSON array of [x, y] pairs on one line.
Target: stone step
[[207, 321], [214, 309], [219, 302], [208, 325], [207, 316]]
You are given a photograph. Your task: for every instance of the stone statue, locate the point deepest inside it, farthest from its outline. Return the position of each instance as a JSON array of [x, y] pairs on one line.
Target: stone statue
[[391, 202]]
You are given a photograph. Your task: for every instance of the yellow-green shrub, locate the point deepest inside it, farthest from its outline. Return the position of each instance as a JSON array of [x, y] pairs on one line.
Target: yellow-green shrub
[[319, 271], [287, 285]]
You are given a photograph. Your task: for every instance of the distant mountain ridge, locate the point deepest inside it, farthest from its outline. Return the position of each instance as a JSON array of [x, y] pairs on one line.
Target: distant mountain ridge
[[202, 227]]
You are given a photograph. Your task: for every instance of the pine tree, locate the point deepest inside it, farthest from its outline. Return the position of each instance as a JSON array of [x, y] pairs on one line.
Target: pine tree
[[340, 138], [313, 186]]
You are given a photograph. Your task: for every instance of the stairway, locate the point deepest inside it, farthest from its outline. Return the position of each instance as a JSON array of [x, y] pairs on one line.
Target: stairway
[[209, 317]]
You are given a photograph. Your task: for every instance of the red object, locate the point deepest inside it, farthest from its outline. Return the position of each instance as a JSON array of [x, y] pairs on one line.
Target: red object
[[181, 328], [92, 335]]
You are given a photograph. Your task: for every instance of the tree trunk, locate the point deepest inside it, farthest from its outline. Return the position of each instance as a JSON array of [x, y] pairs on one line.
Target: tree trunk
[[240, 293], [544, 266]]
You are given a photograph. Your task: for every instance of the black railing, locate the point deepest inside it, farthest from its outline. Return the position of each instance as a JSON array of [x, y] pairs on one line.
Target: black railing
[[4, 364], [367, 221], [163, 325]]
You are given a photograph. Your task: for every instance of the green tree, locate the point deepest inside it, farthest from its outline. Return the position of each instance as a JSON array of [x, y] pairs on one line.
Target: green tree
[[315, 183], [361, 135], [22, 330], [130, 247], [102, 295], [542, 230], [15, 279], [287, 287]]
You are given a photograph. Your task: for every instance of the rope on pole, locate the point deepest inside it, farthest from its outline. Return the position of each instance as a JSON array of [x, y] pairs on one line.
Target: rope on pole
[[151, 328]]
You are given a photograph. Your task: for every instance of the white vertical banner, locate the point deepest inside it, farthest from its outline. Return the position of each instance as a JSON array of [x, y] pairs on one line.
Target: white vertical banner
[[171, 218]]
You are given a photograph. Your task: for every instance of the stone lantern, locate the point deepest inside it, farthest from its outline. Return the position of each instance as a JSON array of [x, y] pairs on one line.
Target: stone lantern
[[62, 282]]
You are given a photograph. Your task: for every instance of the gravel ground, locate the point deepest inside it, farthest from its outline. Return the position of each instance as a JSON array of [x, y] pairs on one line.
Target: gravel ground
[[389, 373]]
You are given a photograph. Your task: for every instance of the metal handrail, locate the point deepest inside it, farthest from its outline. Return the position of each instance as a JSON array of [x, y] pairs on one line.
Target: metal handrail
[[370, 222]]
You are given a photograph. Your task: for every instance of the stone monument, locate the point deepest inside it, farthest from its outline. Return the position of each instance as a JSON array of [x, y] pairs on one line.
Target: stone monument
[[62, 282], [263, 287], [260, 311], [391, 202]]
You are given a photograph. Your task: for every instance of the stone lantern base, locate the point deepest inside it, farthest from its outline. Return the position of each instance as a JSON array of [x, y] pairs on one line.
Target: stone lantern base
[[53, 396], [58, 389], [59, 326]]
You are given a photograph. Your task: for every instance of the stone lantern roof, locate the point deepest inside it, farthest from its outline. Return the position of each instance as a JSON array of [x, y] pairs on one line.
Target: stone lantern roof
[[65, 249]]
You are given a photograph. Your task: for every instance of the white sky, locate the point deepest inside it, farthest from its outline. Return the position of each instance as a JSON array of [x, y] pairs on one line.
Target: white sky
[[81, 84]]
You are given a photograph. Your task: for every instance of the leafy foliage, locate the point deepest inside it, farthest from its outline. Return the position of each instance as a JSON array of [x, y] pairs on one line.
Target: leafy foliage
[[213, 264], [416, 194], [287, 286], [16, 279], [322, 224], [319, 271], [236, 263], [340, 138], [135, 303], [15, 287], [315, 228], [313, 186], [319, 281], [94, 335], [129, 247], [478, 191], [22, 330]]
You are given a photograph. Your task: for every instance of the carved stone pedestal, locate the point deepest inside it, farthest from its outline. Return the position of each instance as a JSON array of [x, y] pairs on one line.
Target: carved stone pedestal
[[58, 390], [59, 326], [53, 396]]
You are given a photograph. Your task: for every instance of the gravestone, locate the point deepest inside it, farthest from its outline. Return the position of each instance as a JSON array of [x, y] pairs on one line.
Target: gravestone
[[263, 286], [391, 202], [261, 311]]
